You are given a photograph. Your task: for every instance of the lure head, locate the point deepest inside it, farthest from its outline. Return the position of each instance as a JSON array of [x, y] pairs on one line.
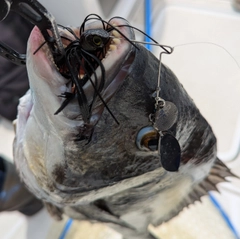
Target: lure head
[[94, 39]]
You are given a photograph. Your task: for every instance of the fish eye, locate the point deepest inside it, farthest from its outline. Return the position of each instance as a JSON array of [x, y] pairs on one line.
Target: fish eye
[[97, 40], [147, 139]]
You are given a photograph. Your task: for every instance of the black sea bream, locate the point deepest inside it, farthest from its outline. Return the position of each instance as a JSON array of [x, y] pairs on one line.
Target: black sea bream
[[90, 167]]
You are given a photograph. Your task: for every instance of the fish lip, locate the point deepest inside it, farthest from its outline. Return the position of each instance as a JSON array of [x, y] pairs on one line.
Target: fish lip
[[47, 69]]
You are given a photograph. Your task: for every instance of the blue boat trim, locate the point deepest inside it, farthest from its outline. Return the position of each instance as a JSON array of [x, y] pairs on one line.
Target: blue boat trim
[[224, 215], [148, 28], [66, 228]]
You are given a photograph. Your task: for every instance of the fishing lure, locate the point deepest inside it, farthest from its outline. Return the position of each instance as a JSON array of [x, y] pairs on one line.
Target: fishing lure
[[84, 54]]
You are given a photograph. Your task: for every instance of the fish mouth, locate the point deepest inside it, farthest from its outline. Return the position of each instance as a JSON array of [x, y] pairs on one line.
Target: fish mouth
[[99, 74]]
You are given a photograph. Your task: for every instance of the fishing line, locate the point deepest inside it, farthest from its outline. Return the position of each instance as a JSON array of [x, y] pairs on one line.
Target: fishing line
[[209, 43], [182, 45], [171, 49]]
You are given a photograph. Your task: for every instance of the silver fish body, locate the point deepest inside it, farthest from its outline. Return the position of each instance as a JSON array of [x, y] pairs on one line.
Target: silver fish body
[[110, 179]]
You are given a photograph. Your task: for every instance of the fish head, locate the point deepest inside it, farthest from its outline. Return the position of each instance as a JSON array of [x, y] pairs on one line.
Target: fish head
[[75, 145]]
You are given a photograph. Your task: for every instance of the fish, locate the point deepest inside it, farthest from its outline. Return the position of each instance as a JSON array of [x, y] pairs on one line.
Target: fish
[[98, 158]]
